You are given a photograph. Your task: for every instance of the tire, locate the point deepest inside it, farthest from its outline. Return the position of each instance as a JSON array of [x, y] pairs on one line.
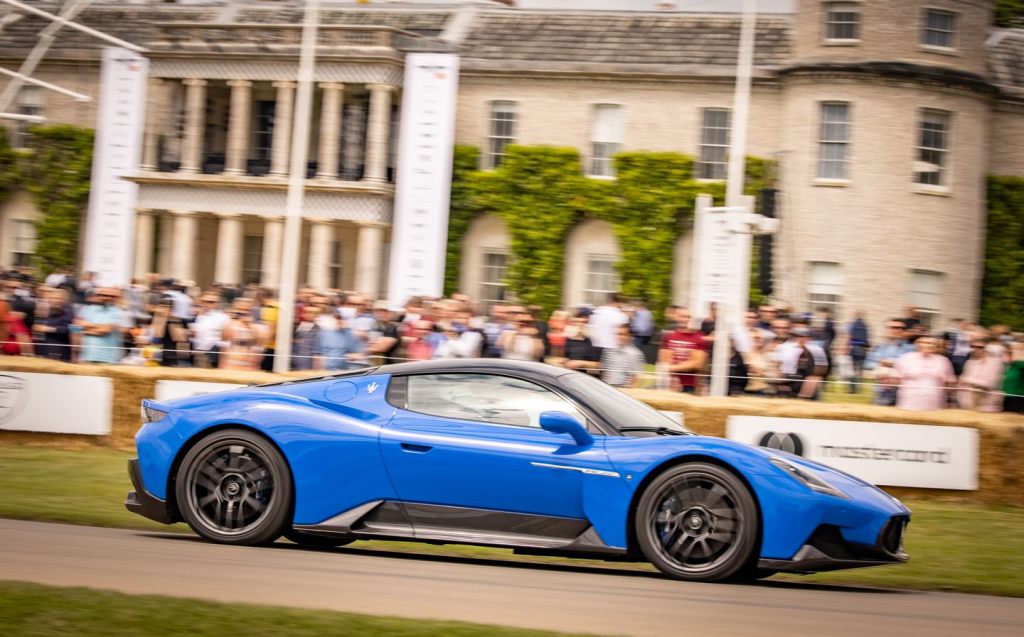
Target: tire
[[311, 539], [234, 487], [698, 522]]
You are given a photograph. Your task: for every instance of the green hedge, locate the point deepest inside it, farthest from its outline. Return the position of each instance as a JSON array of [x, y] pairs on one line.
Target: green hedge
[[9, 173], [541, 194], [56, 169], [1002, 290], [1009, 13]]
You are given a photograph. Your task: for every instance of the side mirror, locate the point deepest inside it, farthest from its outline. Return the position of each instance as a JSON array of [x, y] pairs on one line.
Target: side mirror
[[559, 422]]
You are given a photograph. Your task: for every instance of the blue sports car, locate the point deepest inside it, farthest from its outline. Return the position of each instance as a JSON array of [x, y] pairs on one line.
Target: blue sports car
[[503, 453]]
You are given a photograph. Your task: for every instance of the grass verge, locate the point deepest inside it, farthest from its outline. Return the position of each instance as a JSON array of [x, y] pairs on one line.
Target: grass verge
[[956, 547], [41, 611]]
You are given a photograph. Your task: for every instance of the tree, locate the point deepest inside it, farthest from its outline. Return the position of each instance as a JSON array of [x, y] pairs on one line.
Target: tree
[[1009, 13], [1002, 290]]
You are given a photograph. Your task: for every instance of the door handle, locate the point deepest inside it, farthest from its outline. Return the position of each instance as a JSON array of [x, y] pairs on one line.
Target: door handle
[[413, 448]]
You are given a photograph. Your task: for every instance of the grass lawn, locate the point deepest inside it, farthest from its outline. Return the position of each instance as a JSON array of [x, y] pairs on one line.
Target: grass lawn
[[40, 611], [833, 392], [959, 547], [840, 393]]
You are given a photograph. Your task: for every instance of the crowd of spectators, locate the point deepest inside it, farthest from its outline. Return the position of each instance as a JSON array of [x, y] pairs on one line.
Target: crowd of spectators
[[778, 352]]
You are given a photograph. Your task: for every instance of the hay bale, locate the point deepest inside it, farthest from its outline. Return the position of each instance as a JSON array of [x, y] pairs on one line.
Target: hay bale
[[1001, 436]]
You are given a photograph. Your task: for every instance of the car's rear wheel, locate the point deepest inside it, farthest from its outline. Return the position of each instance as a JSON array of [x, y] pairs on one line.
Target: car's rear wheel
[[698, 522], [234, 487], [311, 539]]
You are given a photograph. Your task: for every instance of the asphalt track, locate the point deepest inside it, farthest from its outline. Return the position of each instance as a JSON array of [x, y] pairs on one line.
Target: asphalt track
[[577, 599]]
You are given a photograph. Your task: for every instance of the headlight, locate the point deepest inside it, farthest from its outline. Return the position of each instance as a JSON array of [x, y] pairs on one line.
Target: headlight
[[808, 479], [151, 415]]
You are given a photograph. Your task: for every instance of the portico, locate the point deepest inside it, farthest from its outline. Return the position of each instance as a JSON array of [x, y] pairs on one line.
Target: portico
[[237, 249], [217, 148]]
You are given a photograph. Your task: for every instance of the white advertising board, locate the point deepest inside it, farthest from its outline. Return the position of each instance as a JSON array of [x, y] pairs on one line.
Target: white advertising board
[[56, 403], [423, 185], [897, 455], [171, 389], [110, 229], [676, 416]]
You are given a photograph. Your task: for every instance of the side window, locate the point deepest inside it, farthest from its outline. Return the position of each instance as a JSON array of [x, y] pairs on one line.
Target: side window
[[484, 398]]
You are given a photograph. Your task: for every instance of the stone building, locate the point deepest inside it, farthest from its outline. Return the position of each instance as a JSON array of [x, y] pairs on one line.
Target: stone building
[[885, 117]]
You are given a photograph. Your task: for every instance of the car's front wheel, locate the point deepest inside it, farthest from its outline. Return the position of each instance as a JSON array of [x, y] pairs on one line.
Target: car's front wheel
[[698, 521], [235, 487]]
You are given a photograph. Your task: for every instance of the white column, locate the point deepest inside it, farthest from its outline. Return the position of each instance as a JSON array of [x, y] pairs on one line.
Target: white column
[[238, 127], [270, 277], [183, 256], [228, 268], [173, 120], [144, 227], [320, 236], [377, 132], [195, 118], [368, 258], [154, 98], [282, 128], [166, 247], [330, 130]]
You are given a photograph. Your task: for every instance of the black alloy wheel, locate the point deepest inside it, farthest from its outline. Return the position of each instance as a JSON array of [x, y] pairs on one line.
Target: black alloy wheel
[[234, 487], [698, 522]]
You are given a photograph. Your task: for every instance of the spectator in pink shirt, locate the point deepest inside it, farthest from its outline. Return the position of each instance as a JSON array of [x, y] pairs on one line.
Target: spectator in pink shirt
[[923, 376]]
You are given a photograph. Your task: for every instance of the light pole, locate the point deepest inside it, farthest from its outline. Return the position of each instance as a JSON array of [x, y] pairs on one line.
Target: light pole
[[296, 190], [726, 316]]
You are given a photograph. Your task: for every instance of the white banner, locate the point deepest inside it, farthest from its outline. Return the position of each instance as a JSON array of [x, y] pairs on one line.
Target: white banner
[[419, 230], [110, 228], [716, 257], [56, 403], [171, 389], [897, 455]]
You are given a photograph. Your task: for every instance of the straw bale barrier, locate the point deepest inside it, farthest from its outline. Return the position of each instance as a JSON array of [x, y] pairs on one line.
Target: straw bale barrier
[[1001, 436]]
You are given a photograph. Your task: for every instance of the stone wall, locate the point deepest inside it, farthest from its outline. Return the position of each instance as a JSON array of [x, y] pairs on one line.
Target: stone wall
[[891, 30], [880, 224], [1007, 137], [659, 115]]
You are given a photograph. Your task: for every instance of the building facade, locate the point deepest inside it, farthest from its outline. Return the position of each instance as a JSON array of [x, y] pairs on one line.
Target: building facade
[[884, 117]]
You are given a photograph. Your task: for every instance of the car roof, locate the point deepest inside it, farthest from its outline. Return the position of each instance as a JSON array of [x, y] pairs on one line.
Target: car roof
[[490, 365], [527, 369]]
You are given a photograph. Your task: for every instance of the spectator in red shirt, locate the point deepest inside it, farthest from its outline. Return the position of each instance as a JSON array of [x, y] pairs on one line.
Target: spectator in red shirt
[[5, 329], [684, 353]]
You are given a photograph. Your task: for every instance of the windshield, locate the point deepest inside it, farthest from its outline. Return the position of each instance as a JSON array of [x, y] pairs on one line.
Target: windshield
[[620, 409]]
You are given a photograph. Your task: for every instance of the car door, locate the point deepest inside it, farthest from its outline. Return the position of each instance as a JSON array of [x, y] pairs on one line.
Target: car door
[[472, 444]]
